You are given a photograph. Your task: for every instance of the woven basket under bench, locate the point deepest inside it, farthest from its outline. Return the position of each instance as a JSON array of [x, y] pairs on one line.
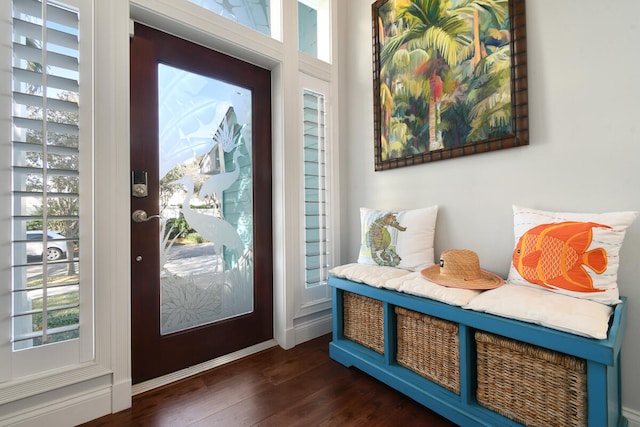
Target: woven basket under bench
[[430, 347], [529, 384], [363, 321], [426, 345]]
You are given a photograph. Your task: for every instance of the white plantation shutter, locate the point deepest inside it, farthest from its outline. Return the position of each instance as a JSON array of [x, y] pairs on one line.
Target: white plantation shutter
[[45, 169], [316, 243]]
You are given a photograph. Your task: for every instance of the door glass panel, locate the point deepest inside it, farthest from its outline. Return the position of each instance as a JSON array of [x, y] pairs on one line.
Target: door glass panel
[[206, 224]]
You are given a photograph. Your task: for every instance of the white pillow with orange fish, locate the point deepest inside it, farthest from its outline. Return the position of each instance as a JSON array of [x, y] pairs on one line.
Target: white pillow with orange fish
[[575, 254]]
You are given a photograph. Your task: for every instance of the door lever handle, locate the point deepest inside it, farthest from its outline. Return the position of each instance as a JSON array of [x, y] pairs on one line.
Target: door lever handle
[[141, 216]]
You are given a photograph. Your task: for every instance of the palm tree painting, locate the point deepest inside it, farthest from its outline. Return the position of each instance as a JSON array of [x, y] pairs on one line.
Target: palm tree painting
[[449, 78]]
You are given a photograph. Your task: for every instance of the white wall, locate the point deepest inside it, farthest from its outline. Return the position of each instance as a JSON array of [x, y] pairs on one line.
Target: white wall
[[584, 155]]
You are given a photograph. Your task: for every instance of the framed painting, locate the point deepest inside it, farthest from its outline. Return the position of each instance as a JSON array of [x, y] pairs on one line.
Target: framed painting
[[449, 77]]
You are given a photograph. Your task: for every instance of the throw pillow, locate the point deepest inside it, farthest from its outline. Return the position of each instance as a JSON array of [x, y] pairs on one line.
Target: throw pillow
[[575, 254], [398, 238]]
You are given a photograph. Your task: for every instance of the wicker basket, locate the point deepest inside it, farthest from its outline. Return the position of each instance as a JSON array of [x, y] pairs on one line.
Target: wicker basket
[[430, 347], [363, 320], [529, 384]]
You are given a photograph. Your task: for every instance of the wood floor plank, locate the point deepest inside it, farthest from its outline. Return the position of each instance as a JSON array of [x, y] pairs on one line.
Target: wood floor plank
[[314, 405], [298, 387], [255, 409]]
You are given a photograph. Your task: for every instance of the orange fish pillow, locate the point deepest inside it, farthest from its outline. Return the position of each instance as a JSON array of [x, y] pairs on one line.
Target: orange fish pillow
[[570, 253]]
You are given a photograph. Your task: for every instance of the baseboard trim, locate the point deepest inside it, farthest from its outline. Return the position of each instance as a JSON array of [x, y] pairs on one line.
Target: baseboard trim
[[121, 396], [72, 411], [313, 329], [196, 369]]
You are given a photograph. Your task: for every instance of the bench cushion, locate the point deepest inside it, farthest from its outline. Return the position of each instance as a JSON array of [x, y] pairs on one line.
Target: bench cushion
[[553, 310], [416, 284], [372, 275], [403, 281]]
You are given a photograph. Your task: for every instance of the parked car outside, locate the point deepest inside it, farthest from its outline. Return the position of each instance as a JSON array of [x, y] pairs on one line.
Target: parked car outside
[[56, 249]]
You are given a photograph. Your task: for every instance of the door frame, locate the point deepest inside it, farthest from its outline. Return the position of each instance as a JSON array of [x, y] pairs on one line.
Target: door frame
[[171, 50], [232, 39]]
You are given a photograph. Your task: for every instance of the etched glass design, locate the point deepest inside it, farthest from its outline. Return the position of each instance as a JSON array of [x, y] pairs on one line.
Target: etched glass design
[[206, 227]]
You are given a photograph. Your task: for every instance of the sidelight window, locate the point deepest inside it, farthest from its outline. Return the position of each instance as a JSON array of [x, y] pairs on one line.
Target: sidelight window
[[45, 162], [318, 244]]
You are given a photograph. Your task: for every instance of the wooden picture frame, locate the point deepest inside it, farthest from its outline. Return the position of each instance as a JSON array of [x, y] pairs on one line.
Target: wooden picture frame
[[453, 86]]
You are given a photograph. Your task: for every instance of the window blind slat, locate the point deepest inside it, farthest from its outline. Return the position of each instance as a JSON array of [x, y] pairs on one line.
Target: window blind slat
[[55, 13], [34, 78], [52, 103], [28, 30], [29, 336], [50, 171], [34, 124], [71, 285], [62, 16], [34, 54], [29, 26], [51, 309], [33, 31], [49, 194], [49, 217], [25, 147], [28, 7]]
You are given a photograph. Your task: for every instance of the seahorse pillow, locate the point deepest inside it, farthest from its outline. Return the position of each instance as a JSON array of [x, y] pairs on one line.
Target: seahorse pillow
[[398, 238], [575, 254]]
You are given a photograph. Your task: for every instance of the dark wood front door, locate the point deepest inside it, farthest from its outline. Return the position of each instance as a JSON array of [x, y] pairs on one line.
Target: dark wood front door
[[201, 240]]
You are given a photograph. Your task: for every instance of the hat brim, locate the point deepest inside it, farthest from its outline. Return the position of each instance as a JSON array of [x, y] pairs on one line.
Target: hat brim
[[486, 281]]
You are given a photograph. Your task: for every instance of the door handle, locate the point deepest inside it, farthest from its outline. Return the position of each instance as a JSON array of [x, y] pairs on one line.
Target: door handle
[[141, 216]]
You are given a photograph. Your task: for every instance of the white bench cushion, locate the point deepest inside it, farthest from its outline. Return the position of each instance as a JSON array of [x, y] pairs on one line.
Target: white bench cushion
[[401, 280], [550, 309]]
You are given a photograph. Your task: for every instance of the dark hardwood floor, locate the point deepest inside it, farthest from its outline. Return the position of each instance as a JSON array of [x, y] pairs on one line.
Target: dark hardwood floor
[[298, 387]]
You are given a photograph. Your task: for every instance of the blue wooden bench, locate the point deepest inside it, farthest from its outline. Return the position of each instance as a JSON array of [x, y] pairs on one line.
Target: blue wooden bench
[[602, 356]]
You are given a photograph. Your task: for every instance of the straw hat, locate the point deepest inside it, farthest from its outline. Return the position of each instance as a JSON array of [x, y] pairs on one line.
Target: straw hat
[[460, 268]]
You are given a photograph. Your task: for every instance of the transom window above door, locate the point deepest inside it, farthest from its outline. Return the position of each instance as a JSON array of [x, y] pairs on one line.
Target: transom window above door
[[265, 16], [254, 14]]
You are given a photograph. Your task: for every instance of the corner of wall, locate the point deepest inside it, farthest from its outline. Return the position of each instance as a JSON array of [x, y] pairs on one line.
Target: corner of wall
[[632, 416]]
